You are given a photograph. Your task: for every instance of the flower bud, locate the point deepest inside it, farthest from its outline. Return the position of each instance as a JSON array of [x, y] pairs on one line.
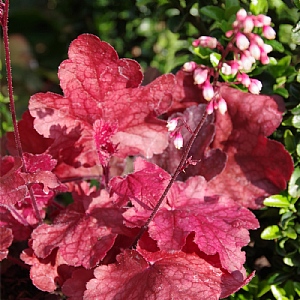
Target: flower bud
[[255, 86], [200, 75], [241, 15], [189, 66], [226, 69], [269, 33], [248, 24], [244, 79], [255, 51], [207, 41], [264, 59], [178, 141], [241, 41], [208, 91], [222, 106], [172, 124], [210, 107]]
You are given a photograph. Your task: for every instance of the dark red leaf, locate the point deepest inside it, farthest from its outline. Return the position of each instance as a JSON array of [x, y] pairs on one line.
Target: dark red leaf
[[257, 167], [75, 286], [165, 276]]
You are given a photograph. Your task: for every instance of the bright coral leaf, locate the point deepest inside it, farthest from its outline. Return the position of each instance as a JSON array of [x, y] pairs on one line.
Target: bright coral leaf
[[99, 85], [6, 239], [82, 236], [165, 276]]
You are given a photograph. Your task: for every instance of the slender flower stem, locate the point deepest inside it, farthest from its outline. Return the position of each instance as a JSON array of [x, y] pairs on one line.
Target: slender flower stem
[[4, 24], [173, 178]]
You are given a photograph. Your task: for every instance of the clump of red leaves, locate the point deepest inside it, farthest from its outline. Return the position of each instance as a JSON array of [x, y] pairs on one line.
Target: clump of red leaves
[[192, 247]]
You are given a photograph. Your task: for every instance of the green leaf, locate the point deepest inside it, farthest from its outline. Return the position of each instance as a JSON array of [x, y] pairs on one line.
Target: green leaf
[[296, 121], [215, 58], [259, 6], [277, 201], [289, 141], [296, 110], [213, 12], [294, 184], [295, 35], [230, 3], [278, 293], [288, 261], [271, 233], [297, 287], [290, 233], [282, 92], [277, 46]]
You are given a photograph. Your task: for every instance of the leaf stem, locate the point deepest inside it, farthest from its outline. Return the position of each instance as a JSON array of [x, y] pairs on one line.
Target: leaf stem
[[4, 24], [179, 168]]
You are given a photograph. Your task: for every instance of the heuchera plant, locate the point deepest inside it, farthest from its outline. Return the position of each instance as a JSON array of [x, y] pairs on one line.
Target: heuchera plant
[[171, 228]]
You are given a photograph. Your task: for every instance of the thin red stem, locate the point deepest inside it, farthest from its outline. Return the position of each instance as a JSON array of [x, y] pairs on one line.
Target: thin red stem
[[173, 178], [4, 23]]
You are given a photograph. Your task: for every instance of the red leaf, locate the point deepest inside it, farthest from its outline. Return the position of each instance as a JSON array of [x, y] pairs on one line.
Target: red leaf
[[257, 167], [35, 144], [144, 187], [83, 237], [220, 225], [44, 273], [12, 185], [166, 276], [20, 230], [39, 168], [75, 286], [98, 85], [6, 239]]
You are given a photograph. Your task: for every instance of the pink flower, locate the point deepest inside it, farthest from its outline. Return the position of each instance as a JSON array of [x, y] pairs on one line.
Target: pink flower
[[264, 59], [189, 66], [241, 15], [244, 79], [206, 41], [178, 141], [246, 61], [241, 41], [200, 75], [255, 86], [267, 48], [248, 24], [210, 107], [269, 33], [208, 91], [254, 50], [172, 124], [234, 67], [226, 69], [262, 20], [222, 106]]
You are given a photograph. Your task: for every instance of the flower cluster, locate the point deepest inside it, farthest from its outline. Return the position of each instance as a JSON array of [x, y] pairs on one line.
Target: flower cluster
[[175, 133], [246, 47]]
